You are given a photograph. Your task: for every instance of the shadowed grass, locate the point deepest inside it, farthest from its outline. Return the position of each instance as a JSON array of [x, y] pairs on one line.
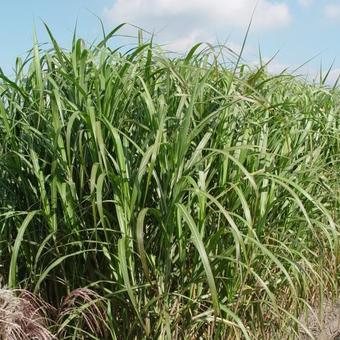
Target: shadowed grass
[[197, 200]]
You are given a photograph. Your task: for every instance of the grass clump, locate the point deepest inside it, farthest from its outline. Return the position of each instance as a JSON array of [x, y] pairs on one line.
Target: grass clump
[[198, 200]]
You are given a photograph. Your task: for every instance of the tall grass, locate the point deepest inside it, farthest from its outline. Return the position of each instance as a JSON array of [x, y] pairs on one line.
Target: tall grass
[[198, 200]]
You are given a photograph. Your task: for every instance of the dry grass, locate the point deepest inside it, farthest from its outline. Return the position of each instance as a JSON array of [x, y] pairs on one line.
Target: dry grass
[[23, 316]]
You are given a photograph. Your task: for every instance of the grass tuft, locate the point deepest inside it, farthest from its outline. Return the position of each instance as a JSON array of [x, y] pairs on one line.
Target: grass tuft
[[191, 196]]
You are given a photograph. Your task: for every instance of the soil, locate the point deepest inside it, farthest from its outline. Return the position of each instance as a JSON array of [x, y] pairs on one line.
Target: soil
[[324, 323]]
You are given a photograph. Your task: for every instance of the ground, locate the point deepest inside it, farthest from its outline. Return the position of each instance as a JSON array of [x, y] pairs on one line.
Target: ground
[[329, 327]]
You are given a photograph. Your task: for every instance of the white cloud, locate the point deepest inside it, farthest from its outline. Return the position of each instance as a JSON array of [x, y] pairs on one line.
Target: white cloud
[[277, 68], [183, 22], [333, 76], [185, 42], [332, 11]]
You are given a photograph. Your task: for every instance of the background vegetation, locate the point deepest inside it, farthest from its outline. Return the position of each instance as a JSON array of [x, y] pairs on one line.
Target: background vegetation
[[148, 196]]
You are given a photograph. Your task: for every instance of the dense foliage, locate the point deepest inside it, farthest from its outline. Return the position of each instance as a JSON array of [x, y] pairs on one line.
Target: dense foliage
[[196, 199]]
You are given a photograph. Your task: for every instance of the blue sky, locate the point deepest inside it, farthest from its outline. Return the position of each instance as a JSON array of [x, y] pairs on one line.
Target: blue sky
[[298, 29]]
